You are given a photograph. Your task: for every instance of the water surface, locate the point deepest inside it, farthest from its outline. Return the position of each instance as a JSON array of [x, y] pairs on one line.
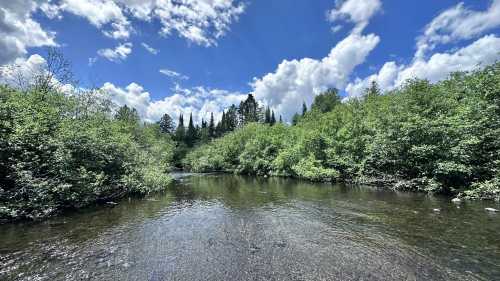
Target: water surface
[[225, 227]]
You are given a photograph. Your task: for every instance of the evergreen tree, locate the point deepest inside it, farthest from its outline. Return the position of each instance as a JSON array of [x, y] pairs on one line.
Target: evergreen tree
[[273, 118], [267, 116], [166, 124], [232, 118], [180, 132], [249, 110], [211, 126], [281, 119], [127, 114], [373, 90], [191, 134], [204, 134], [304, 108], [221, 126]]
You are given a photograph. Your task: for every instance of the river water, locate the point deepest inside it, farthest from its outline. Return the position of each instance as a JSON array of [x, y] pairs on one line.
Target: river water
[[226, 227]]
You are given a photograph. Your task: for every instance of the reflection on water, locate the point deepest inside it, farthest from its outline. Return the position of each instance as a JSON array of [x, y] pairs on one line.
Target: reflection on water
[[225, 227]]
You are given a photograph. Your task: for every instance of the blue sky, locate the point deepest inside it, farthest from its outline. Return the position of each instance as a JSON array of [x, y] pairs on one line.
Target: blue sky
[[214, 52]]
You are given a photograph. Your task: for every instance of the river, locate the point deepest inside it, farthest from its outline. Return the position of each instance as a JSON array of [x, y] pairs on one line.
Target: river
[[227, 227]]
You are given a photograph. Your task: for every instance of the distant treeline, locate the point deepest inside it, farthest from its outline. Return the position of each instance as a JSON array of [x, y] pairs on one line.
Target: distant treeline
[[441, 138], [249, 111]]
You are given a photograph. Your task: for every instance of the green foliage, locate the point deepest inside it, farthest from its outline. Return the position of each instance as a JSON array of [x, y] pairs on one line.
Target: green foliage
[[442, 137], [326, 101], [60, 151], [166, 124]]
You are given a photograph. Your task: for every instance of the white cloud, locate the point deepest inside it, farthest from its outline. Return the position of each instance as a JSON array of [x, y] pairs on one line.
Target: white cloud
[[117, 54], [199, 21], [99, 13], [173, 74], [482, 52], [22, 73], [150, 49], [199, 101], [21, 70], [358, 12], [18, 30], [457, 23], [300, 80], [385, 79]]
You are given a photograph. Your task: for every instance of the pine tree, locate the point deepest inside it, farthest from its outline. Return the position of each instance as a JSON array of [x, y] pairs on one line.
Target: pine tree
[[281, 119], [180, 132], [267, 116], [304, 108], [373, 90], [127, 114], [204, 135], [273, 118], [191, 134], [232, 118], [249, 111], [166, 124], [211, 126]]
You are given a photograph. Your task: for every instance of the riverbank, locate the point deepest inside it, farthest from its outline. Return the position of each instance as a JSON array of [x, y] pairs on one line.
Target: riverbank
[[435, 138]]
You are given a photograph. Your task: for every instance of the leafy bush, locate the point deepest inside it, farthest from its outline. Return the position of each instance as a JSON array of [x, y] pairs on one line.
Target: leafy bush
[[57, 152], [440, 138]]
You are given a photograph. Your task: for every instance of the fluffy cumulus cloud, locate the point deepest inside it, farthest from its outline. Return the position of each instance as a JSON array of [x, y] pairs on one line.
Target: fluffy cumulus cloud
[[103, 14], [19, 31], [297, 81], [199, 101], [484, 51], [119, 53], [451, 26], [199, 21], [300, 80], [23, 72], [458, 23], [358, 12]]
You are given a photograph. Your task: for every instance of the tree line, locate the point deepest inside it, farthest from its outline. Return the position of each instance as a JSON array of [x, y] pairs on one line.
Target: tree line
[[439, 138]]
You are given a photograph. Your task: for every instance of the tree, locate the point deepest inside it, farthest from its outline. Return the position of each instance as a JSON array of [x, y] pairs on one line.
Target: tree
[[52, 75], [281, 119], [180, 132], [127, 114], [267, 116], [232, 118], [166, 124], [191, 134], [204, 134], [373, 90], [304, 108], [211, 126], [326, 101], [249, 110], [273, 118]]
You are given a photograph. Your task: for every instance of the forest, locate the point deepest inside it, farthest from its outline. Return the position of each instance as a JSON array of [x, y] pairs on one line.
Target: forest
[[63, 151]]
